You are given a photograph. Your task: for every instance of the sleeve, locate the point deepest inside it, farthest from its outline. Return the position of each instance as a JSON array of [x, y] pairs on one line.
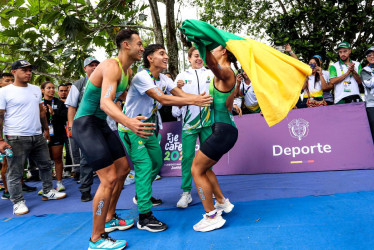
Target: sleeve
[[176, 111], [73, 96], [367, 79], [238, 101], [332, 71], [143, 82], [326, 75], [39, 92], [359, 68], [179, 77], [62, 112], [170, 85], [2, 99]]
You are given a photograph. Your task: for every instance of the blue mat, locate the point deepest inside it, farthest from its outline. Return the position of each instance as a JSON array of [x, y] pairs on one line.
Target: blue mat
[[341, 221]]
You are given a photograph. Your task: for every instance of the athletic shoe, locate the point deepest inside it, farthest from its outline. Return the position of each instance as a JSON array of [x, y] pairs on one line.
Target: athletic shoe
[[185, 199], [207, 224], [77, 176], [118, 224], [150, 223], [53, 195], [66, 174], [1, 187], [5, 196], [155, 201], [60, 187], [158, 177], [20, 208], [26, 188], [40, 192], [107, 243], [225, 207], [86, 196]]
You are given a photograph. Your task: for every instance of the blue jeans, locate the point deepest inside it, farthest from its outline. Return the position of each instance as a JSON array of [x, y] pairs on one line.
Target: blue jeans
[[23, 147]]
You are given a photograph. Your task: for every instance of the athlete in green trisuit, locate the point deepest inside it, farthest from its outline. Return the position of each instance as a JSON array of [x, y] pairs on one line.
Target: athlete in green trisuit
[[98, 142], [145, 92]]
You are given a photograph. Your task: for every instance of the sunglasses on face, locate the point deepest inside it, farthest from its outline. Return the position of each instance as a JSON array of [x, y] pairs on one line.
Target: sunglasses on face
[[370, 55], [312, 65]]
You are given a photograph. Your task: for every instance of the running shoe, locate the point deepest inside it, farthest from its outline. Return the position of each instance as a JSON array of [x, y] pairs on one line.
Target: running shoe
[[26, 188], [158, 177], [53, 195], [118, 224], [60, 187], [40, 192], [226, 207], [185, 199], [20, 208], [5, 196], [86, 196], [150, 223], [155, 201], [209, 224], [107, 243]]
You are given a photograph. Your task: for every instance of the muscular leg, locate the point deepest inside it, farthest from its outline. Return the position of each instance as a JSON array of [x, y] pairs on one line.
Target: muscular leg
[[215, 186], [200, 165], [56, 154], [122, 169], [101, 201]]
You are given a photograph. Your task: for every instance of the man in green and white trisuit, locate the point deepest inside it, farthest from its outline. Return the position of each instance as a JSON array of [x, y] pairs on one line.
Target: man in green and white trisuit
[[144, 93], [195, 120]]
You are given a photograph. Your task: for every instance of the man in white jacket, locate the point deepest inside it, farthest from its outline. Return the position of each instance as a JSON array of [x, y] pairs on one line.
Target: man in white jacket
[[195, 119]]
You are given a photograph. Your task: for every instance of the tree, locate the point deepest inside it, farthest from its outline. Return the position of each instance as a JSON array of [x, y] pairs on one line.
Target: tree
[[311, 27]]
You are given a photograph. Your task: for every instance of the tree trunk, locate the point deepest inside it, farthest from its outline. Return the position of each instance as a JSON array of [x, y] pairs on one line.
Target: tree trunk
[[156, 22], [171, 38]]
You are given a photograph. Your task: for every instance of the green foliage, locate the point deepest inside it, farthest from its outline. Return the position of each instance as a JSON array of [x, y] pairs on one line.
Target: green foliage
[[311, 27], [57, 35]]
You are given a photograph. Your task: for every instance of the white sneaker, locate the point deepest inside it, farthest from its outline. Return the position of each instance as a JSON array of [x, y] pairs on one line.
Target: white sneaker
[[53, 195], [60, 187], [66, 174], [20, 208], [225, 207], [185, 199], [207, 224]]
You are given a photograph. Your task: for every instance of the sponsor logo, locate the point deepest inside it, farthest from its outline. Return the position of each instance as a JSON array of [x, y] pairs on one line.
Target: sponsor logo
[[298, 128], [140, 142]]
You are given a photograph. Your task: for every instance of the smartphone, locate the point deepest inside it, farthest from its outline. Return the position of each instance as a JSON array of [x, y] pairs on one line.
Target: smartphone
[[280, 48]]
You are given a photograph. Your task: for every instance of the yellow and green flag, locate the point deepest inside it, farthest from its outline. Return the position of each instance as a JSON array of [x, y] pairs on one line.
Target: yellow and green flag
[[277, 78]]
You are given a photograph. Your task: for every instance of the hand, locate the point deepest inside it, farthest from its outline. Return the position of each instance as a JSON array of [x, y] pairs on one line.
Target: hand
[[318, 70], [138, 127], [3, 145], [180, 83], [351, 67], [46, 135], [238, 110], [203, 100], [50, 109], [239, 78], [287, 47], [44, 108]]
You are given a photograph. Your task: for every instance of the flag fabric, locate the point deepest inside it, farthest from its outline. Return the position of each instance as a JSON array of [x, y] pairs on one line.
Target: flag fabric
[[277, 78]]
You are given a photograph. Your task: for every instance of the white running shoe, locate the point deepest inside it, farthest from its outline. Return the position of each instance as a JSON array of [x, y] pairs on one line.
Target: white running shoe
[[20, 208], [53, 195], [185, 199], [60, 187], [225, 207], [207, 224]]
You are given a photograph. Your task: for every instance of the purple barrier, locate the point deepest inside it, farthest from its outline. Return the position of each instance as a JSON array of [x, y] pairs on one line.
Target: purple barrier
[[335, 137]]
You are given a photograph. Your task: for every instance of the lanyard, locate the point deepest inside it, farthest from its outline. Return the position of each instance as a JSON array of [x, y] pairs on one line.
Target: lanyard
[[245, 91], [341, 68], [154, 101], [50, 114]]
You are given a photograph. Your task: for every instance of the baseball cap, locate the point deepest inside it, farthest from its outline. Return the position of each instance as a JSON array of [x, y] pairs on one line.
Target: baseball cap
[[89, 60], [21, 64], [345, 45], [319, 57], [371, 49]]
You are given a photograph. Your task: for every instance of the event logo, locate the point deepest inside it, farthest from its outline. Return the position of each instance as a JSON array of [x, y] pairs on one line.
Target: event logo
[[298, 128]]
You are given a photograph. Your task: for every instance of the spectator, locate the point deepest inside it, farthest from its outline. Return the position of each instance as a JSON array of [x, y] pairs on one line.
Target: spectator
[[72, 101], [62, 92], [23, 115], [367, 77], [289, 50], [247, 93], [344, 76], [316, 83], [6, 79], [69, 84], [56, 113]]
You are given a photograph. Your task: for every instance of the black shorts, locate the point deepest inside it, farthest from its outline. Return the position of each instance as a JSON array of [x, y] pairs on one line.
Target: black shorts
[[56, 141], [99, 143], [222, 139]]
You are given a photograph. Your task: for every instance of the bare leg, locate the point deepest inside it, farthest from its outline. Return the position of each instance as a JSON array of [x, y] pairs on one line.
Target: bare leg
[[3, 174], [200, 165], [56, 154], [216, 188], [122, 169], [101, 201]]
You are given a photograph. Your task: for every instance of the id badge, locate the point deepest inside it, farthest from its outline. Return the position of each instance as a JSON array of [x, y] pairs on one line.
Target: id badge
[[347, 86], [51, 131]]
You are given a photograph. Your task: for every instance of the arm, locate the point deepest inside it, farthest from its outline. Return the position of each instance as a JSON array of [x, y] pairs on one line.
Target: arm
[[221, 73], [108, 92], [288, 49], [71, 113], [339, 79], [3, 144], [44, 122]]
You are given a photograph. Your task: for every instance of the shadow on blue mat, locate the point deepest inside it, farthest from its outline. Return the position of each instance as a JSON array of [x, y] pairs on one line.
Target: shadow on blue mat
[[341, 221]]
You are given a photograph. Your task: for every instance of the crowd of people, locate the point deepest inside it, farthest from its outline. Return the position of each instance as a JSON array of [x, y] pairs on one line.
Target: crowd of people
[[93, 115]]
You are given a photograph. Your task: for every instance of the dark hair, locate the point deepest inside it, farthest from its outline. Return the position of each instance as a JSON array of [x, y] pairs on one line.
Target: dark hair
[[191, 50], [232, 59], [68, 84], [6, 74], [61, 85], [316, 78], [44, 84], [124, 35], [149, 50], [185, 41]]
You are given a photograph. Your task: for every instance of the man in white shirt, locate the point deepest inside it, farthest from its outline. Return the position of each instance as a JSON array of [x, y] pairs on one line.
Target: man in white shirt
[[23, 115]]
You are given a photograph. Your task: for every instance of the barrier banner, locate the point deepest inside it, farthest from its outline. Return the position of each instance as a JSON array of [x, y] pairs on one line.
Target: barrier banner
[[335, 137]]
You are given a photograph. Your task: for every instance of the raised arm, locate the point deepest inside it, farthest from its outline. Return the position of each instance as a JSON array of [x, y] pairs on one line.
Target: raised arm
[[222, 73]]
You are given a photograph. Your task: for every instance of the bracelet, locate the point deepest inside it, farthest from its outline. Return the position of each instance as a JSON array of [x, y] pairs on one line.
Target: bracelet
[[291, 52]]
